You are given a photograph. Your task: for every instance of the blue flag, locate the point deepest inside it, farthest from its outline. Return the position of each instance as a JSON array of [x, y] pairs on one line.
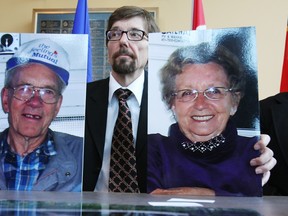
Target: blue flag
[[82, 26]]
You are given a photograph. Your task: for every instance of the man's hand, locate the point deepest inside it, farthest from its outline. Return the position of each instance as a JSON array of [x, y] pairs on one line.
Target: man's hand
[[265, 162]]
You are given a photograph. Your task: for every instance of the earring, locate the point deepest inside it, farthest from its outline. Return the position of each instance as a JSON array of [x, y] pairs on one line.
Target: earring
[[233, 111]]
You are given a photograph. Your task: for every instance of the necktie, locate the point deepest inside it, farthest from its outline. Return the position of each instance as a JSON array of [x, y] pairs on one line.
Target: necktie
[[123, 174]]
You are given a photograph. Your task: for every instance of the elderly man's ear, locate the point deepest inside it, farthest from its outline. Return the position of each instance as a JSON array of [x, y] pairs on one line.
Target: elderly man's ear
[[4, 99]]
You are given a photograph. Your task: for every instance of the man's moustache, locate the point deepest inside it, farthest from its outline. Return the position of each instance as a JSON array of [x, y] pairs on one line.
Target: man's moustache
[[123, 52]]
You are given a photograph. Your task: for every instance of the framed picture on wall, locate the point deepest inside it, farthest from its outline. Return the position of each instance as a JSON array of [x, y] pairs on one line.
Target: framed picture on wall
[[60, 21]]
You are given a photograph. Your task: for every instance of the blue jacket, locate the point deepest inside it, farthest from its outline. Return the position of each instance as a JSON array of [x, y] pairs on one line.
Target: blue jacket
[[64, 170]]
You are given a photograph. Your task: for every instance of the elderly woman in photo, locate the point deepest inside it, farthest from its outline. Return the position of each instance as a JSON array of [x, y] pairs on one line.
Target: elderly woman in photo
[[203, 154]]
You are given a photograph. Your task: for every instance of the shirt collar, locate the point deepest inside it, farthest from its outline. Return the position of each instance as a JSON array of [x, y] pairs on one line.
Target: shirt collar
[[46, 148], [134, 87]]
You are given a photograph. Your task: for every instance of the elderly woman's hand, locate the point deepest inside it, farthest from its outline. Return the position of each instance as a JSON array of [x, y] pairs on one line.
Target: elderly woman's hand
[[265, 162], [194, 191]]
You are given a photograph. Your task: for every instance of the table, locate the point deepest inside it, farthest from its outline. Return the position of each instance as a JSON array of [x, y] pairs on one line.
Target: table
[[91, 203]]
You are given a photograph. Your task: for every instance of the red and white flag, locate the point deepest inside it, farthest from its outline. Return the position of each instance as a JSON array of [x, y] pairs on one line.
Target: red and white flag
[[284, 78], [198, 16]]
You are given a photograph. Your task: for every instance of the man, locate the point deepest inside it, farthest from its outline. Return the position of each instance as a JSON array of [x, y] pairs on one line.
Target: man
[[127, 44], [128, 59], [274, 115], [32, 156]]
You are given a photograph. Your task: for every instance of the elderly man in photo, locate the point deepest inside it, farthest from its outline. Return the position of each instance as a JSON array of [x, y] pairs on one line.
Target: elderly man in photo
[[32, 156]]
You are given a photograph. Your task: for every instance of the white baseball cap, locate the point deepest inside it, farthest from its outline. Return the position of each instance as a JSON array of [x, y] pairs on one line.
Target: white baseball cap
[[42, 51]]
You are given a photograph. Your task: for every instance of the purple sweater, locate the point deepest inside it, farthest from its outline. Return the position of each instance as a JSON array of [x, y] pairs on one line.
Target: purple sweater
[[225, 169]]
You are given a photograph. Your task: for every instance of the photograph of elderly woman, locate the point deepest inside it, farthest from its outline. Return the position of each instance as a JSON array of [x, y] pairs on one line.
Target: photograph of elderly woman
[[203, 116]]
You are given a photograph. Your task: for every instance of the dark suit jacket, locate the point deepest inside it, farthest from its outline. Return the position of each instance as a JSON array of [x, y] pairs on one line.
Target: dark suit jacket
[[274, 122], [95, 128]]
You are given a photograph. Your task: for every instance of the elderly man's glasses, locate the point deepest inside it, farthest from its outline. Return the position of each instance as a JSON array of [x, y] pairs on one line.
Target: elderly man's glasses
[[26, 92], [212, 93], [132, 35]]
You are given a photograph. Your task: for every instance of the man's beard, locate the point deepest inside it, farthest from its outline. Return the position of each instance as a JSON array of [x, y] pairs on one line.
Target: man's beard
[[123, 66]]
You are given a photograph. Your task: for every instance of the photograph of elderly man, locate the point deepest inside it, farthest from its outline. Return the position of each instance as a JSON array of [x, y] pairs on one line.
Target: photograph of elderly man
[[33, 156]]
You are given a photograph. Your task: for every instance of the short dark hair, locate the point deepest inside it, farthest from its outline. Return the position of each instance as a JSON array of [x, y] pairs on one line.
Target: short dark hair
[[127, 12]]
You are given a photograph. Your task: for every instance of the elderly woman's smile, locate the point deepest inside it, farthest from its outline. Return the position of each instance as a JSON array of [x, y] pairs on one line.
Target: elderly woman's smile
[[202, 118]]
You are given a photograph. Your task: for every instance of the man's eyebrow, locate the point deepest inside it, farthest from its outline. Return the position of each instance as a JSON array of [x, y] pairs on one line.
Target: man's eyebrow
[[21, 83], [118, 28], [137, 29], [115, 28], [49, 86]]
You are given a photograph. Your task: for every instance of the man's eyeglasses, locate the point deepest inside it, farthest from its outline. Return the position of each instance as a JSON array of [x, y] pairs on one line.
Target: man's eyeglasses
[[212, 93], [132, 35], [26, 92]]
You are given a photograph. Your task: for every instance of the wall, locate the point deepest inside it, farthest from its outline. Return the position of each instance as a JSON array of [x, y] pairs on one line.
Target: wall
[[269, 18]]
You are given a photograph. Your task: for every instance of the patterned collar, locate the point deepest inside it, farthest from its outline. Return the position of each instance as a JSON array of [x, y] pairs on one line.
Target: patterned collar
[[219, 145]]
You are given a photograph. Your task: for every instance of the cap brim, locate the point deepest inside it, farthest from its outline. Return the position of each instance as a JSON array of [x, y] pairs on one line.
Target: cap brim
[[16, 62]]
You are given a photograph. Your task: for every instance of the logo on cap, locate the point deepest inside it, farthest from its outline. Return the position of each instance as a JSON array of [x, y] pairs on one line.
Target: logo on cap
[[42, 51]]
